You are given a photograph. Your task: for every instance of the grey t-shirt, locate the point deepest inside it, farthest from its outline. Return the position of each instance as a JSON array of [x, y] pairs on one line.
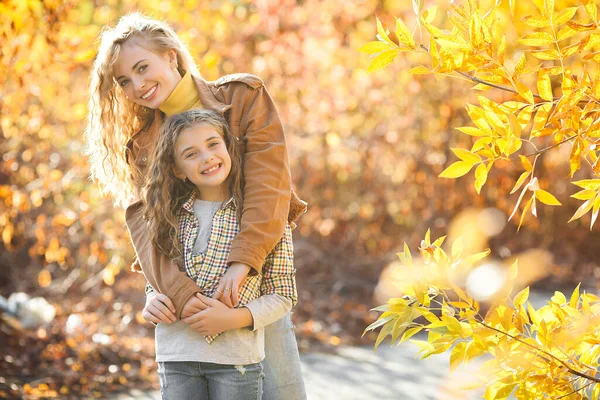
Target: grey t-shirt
[[179, 342]]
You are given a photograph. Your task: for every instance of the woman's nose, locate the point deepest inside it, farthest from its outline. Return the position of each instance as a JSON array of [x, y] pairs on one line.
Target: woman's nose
[[138, 84]]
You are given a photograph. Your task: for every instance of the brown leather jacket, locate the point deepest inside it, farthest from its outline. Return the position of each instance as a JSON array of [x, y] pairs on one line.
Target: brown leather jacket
[[268, 198]]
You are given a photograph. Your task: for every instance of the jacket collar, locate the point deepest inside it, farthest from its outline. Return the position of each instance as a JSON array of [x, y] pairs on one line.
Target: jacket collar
[[189, 203], [207, 99]]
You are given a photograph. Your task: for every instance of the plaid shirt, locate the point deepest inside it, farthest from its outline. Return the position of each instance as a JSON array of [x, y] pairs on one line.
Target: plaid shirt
[[207, 269]]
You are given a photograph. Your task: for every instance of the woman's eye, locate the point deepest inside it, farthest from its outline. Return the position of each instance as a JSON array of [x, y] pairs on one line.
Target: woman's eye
[[142, 68], [123, 82], [213, 144]]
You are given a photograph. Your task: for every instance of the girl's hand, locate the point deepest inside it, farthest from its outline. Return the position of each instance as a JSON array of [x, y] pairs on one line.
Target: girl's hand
[[159, 308], [217, 318], [228, 289], [192, 306]]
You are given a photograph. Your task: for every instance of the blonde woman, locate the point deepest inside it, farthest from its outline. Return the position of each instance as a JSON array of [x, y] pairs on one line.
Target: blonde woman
[[142, 74]]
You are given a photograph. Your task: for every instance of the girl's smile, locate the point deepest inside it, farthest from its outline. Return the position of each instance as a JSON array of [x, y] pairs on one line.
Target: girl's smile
[[201, 156]]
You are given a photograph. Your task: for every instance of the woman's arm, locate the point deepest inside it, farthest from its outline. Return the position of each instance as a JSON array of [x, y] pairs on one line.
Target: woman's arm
[[267, 176], [162, 273]]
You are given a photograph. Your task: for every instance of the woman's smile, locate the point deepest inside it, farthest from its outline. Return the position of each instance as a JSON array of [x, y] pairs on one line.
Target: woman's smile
[[150, 94]]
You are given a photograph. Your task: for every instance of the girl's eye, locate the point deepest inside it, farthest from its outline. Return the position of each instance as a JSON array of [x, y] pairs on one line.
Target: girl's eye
[[188, 155]]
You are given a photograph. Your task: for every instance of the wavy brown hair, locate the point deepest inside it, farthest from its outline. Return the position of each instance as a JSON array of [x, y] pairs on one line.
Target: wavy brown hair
[[112, 117], [164, 194]]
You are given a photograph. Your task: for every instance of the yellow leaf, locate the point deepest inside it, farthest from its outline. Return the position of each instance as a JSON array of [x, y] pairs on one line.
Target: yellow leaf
[[472, 131], [525, 209], [536, 39], [520, 181], [592, 11], [585, 194], [429, 14], [420, 70], [383, 33], [458, 355], [594, 40], [375, 47], [565, 32], [473, 258], [546, 198], [574, 301], [526, 163], [595, 212], [457, 170], [559, 298], [544, 85], [540, 119], [475, 33], [404, 35], [565, 15], [537, 21], [521, 297], [520, 66], [481, 174], [582, 210], [478, 117], [575, 158], [457, 248], [383, 60], [466, 155], [524, 92], [592, 184]]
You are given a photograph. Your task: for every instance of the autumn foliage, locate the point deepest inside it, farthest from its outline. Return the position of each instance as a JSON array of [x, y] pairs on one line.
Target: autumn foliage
[[551, 83]]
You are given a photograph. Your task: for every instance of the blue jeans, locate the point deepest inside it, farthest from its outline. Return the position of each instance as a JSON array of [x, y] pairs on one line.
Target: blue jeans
[[183, 380], [283, 373]]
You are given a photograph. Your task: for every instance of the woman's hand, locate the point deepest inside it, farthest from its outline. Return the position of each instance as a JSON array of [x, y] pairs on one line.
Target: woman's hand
[[217, 317], [159, 308], [228, 290]]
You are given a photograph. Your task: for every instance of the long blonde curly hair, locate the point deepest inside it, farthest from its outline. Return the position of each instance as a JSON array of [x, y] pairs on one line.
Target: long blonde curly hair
[[163, 193], [112, 117]]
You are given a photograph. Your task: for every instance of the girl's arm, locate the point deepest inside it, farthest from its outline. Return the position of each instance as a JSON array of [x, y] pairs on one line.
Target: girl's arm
[[158, 308], [278, 285]]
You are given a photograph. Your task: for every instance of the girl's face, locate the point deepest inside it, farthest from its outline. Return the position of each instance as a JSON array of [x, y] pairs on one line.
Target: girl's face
[[147, 78], [201, 156]]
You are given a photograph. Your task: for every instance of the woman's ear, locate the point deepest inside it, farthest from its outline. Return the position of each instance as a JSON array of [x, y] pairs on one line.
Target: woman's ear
[[172, 57]]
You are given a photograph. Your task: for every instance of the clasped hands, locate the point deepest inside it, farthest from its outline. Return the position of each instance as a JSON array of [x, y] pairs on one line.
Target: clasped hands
[[207, 316]]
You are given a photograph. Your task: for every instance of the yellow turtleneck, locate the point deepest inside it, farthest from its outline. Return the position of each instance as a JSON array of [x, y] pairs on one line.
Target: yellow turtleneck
[[184, 97]]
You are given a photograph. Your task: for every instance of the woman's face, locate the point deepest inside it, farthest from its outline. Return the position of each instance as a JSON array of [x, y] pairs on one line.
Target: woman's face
[[147, 78]]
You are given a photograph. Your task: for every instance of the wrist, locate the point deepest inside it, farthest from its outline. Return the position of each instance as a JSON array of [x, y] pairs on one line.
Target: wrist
[[241, 318]]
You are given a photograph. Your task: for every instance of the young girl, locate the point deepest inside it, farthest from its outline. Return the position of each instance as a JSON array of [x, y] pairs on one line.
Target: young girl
[[143, 73], [193, 200]]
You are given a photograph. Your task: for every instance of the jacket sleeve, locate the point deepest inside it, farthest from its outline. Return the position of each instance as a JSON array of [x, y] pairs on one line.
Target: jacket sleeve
[[267, 178], [161, 273]]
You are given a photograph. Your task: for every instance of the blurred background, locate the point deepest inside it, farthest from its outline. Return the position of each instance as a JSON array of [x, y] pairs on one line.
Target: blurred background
[[365, 150]]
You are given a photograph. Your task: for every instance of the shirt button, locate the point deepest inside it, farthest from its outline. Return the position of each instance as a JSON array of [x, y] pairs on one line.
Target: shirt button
[[144, 159]]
